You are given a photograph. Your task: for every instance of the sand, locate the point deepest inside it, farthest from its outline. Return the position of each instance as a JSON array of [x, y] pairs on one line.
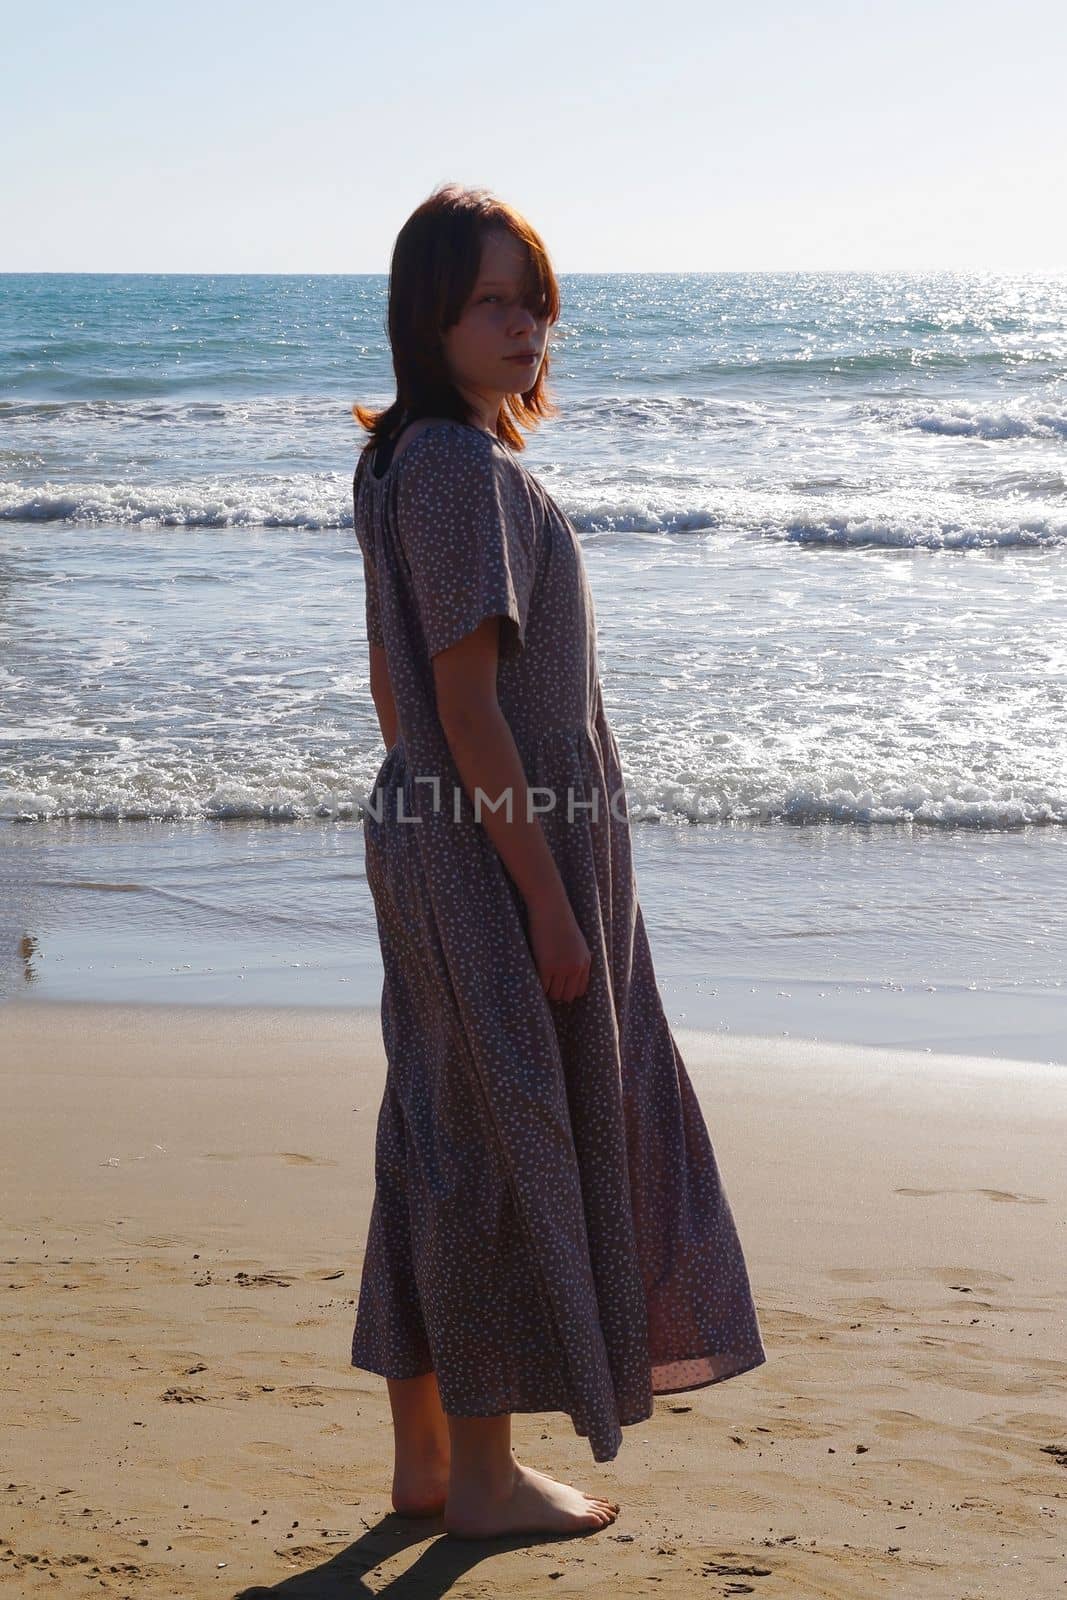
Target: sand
[[185, 1198]]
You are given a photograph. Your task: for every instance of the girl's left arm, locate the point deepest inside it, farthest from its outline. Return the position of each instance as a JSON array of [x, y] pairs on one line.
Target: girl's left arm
[[382, 694]]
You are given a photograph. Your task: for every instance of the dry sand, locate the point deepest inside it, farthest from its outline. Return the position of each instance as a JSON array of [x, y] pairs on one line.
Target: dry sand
[[185, 1199]]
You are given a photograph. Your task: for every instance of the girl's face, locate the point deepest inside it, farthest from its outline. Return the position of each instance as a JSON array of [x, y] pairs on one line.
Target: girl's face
[[482, 348]]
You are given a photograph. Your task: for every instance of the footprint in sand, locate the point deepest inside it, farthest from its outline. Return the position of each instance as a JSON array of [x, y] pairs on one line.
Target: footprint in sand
[[743, 1500], [293, 1158], [990, 1194], [977, 1278], [1020, 1199]]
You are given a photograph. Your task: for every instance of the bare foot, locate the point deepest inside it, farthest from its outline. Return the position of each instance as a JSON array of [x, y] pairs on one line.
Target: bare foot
[[420, 1490], [535, 1503]]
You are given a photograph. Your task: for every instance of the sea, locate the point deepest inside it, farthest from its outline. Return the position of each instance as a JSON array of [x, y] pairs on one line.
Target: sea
[[824, 519]]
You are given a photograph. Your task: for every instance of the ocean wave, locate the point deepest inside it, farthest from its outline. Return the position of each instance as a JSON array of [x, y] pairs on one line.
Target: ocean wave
[[957, 525], [311, 501], [666, 412], [862, 365], [856, 532], [1037, 484], [256, 408], [968, 420], [963, 804], [322, 502], [160, 795]]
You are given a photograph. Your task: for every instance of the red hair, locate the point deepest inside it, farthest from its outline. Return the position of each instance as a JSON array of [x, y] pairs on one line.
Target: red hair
[[434, 267]]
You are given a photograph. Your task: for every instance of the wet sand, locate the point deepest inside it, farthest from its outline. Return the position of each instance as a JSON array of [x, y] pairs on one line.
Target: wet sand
[[185, 1199]]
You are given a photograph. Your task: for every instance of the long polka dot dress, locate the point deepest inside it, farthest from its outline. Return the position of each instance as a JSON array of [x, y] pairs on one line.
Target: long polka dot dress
[[549, 1231]]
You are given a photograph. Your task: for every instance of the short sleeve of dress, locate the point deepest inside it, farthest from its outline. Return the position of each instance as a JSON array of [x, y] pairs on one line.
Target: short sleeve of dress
[[466, 543], [370, 576]]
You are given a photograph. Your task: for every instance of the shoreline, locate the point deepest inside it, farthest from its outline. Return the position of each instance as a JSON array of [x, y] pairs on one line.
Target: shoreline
[[896, 939], [185, 1183]]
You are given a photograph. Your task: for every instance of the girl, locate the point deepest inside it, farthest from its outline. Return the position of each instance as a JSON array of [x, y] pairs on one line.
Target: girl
[[549, 1231]]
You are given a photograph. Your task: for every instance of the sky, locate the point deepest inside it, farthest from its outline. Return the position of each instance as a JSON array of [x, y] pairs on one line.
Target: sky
[[660, 136]]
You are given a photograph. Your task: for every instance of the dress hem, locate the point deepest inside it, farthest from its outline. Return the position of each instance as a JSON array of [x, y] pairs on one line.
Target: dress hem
[[704, 1383], [528, 1410]]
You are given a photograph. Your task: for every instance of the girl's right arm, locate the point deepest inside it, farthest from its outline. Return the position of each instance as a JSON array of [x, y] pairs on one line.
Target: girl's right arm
[[487, 758]]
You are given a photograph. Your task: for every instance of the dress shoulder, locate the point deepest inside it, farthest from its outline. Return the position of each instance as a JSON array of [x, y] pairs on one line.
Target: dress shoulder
[[468, 547], [443, 438]]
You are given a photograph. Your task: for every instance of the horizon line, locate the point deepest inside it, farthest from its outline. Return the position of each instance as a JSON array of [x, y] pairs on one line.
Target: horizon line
[[575, 272]]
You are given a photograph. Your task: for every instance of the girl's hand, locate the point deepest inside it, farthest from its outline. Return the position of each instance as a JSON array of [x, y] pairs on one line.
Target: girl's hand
[[560, 952]]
